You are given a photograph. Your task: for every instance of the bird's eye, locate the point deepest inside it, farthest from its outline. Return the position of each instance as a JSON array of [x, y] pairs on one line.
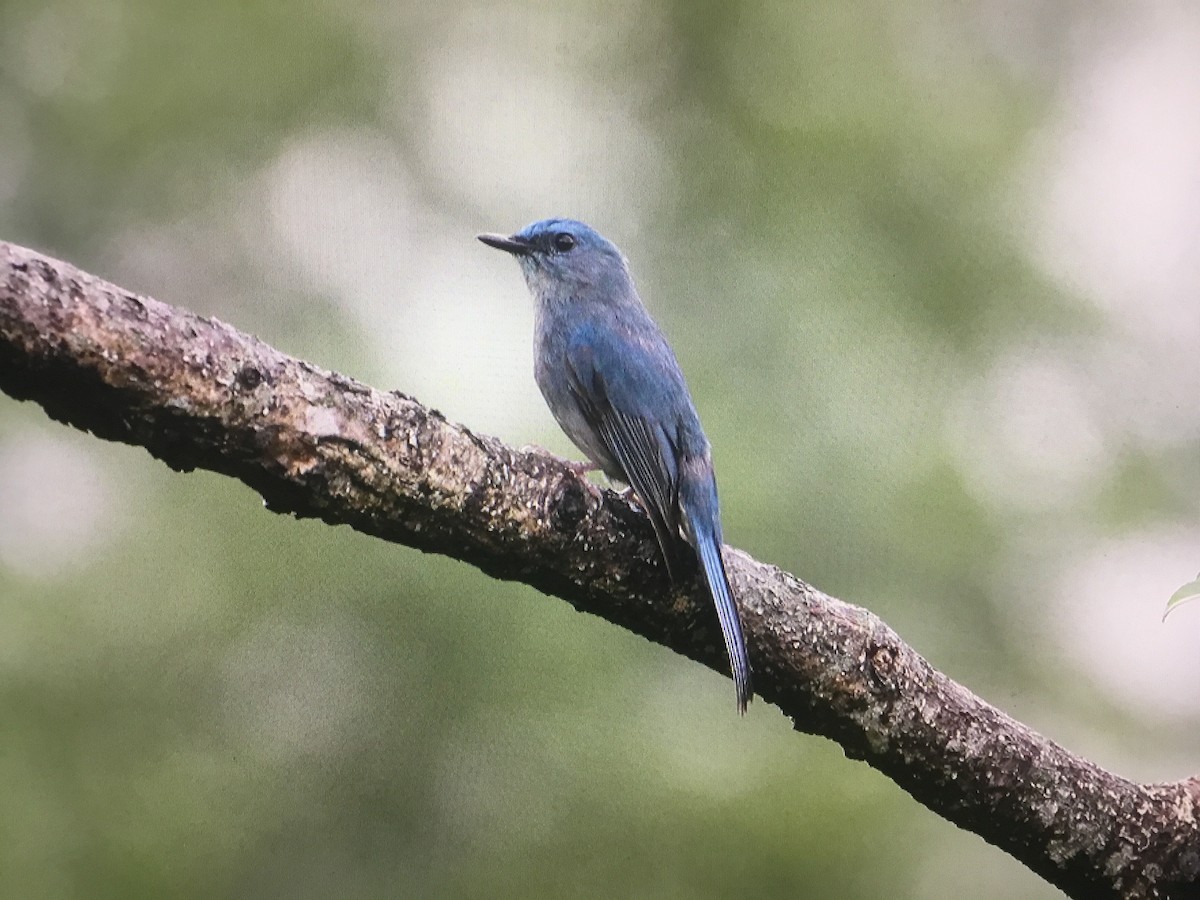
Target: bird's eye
[[563, 242]]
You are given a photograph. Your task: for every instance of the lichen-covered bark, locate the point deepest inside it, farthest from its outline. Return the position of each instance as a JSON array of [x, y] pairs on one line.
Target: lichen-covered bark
[[197, 393]]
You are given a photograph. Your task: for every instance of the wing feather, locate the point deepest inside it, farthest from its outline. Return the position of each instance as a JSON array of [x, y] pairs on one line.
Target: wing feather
[[639, 445]]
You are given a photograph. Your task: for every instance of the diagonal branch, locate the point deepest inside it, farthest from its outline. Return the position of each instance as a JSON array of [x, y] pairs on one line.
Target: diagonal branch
[[197, 393]]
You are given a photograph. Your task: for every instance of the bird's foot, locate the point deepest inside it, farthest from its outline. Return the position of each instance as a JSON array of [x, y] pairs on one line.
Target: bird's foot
[[581, 467]]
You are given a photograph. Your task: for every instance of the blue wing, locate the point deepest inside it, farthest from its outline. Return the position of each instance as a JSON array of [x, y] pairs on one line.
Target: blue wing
[[617, 384]]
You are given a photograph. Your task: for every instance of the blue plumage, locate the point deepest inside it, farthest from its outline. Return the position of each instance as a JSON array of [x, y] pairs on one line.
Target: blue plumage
[[614, 386]]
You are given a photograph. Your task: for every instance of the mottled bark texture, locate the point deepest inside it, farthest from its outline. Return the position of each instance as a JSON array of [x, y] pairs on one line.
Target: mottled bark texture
[[197, 393]]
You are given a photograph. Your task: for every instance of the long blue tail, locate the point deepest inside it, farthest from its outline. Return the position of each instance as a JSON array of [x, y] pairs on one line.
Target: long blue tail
[[702, 523], [731, 624]]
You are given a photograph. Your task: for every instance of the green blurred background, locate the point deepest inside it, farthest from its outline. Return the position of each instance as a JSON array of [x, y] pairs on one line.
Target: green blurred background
[[932, 269]]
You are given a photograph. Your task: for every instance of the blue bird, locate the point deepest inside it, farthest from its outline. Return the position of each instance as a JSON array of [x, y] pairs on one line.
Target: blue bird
[[614, 386]]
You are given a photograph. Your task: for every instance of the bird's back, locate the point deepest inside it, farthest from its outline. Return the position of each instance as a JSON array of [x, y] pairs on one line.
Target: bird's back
[[641, 377]]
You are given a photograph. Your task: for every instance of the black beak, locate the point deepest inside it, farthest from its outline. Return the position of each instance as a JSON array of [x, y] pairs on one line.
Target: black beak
[[514, 245]]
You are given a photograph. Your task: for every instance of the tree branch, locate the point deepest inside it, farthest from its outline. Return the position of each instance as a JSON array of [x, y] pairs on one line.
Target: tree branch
[[197, 393]]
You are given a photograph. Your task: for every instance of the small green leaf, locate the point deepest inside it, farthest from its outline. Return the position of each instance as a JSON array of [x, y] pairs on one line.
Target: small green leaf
[[1189, 591]]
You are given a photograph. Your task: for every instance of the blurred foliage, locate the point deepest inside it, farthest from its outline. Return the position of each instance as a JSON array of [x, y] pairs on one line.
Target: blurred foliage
[[1190, 591], [202, 699]]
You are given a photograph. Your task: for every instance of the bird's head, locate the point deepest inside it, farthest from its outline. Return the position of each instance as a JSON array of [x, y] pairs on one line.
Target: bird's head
[[563, 257]]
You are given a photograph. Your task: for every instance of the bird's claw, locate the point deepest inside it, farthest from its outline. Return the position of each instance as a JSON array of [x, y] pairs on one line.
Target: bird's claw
[[581, 467]]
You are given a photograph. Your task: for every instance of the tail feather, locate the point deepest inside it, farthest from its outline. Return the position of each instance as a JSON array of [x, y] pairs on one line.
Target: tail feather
[[709, 551]]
